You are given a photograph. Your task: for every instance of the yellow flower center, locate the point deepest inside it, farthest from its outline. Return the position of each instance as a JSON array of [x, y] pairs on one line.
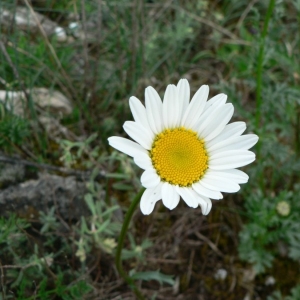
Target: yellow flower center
[[179, 156]]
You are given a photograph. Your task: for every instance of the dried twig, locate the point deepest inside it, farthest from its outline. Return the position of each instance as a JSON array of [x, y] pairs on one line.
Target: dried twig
[[57, 61], [216, 27], [2, 281], [190, 267], [98, 48], [41, 63], [85, 49], [244, 14], [209, 242]]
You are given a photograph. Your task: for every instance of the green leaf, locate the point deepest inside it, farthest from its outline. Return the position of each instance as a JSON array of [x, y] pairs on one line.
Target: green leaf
[[153, 275], [117, 176]]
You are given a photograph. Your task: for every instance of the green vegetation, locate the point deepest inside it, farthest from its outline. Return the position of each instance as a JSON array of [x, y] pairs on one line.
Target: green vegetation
[[234, 46]]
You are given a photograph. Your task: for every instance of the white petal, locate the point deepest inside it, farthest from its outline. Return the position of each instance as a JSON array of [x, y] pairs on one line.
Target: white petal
[[146, 204], [138, 111], [139, 133], [171, 107], [206, 209], [175, 201], [243, 142], [206, 115], [154, 109], [217, 183], [235, 175], [214, 125], [195, 107], [126, 146], [230, 130], [143, 160], [231, 159], [183, 90], [203, 191], [188, 195], [170, 197], [150, 179], [149, 199], [219, 99], [203, 204]]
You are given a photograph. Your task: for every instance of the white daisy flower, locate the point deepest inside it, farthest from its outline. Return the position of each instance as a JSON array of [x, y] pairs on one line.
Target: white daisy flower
[[186, 148]]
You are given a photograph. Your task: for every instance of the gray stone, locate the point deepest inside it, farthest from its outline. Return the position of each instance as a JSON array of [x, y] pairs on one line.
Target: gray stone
[[30, 197]]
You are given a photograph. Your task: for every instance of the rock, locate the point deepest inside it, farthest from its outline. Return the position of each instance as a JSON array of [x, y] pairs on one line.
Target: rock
[[270, 280], [11, 174], [77, 30], [61, 34], [46, 99], [30, 197], [51, 99], [14, 101], [24, 19], [54, 129], [221, 274]]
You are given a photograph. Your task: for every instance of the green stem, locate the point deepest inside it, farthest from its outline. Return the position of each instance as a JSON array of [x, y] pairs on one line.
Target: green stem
[[122, 236], [259, 81], [260, 64]]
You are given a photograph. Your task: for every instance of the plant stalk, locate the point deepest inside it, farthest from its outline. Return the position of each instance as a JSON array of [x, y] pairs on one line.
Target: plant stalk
[[259, 82], [260, 64], [122, 236]]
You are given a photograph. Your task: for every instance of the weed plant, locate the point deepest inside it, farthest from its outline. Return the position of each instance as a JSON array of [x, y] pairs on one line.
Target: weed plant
[[128, 45]]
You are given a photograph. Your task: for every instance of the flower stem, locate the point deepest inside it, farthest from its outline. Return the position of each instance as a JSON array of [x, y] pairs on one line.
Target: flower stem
[[122, 236]]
